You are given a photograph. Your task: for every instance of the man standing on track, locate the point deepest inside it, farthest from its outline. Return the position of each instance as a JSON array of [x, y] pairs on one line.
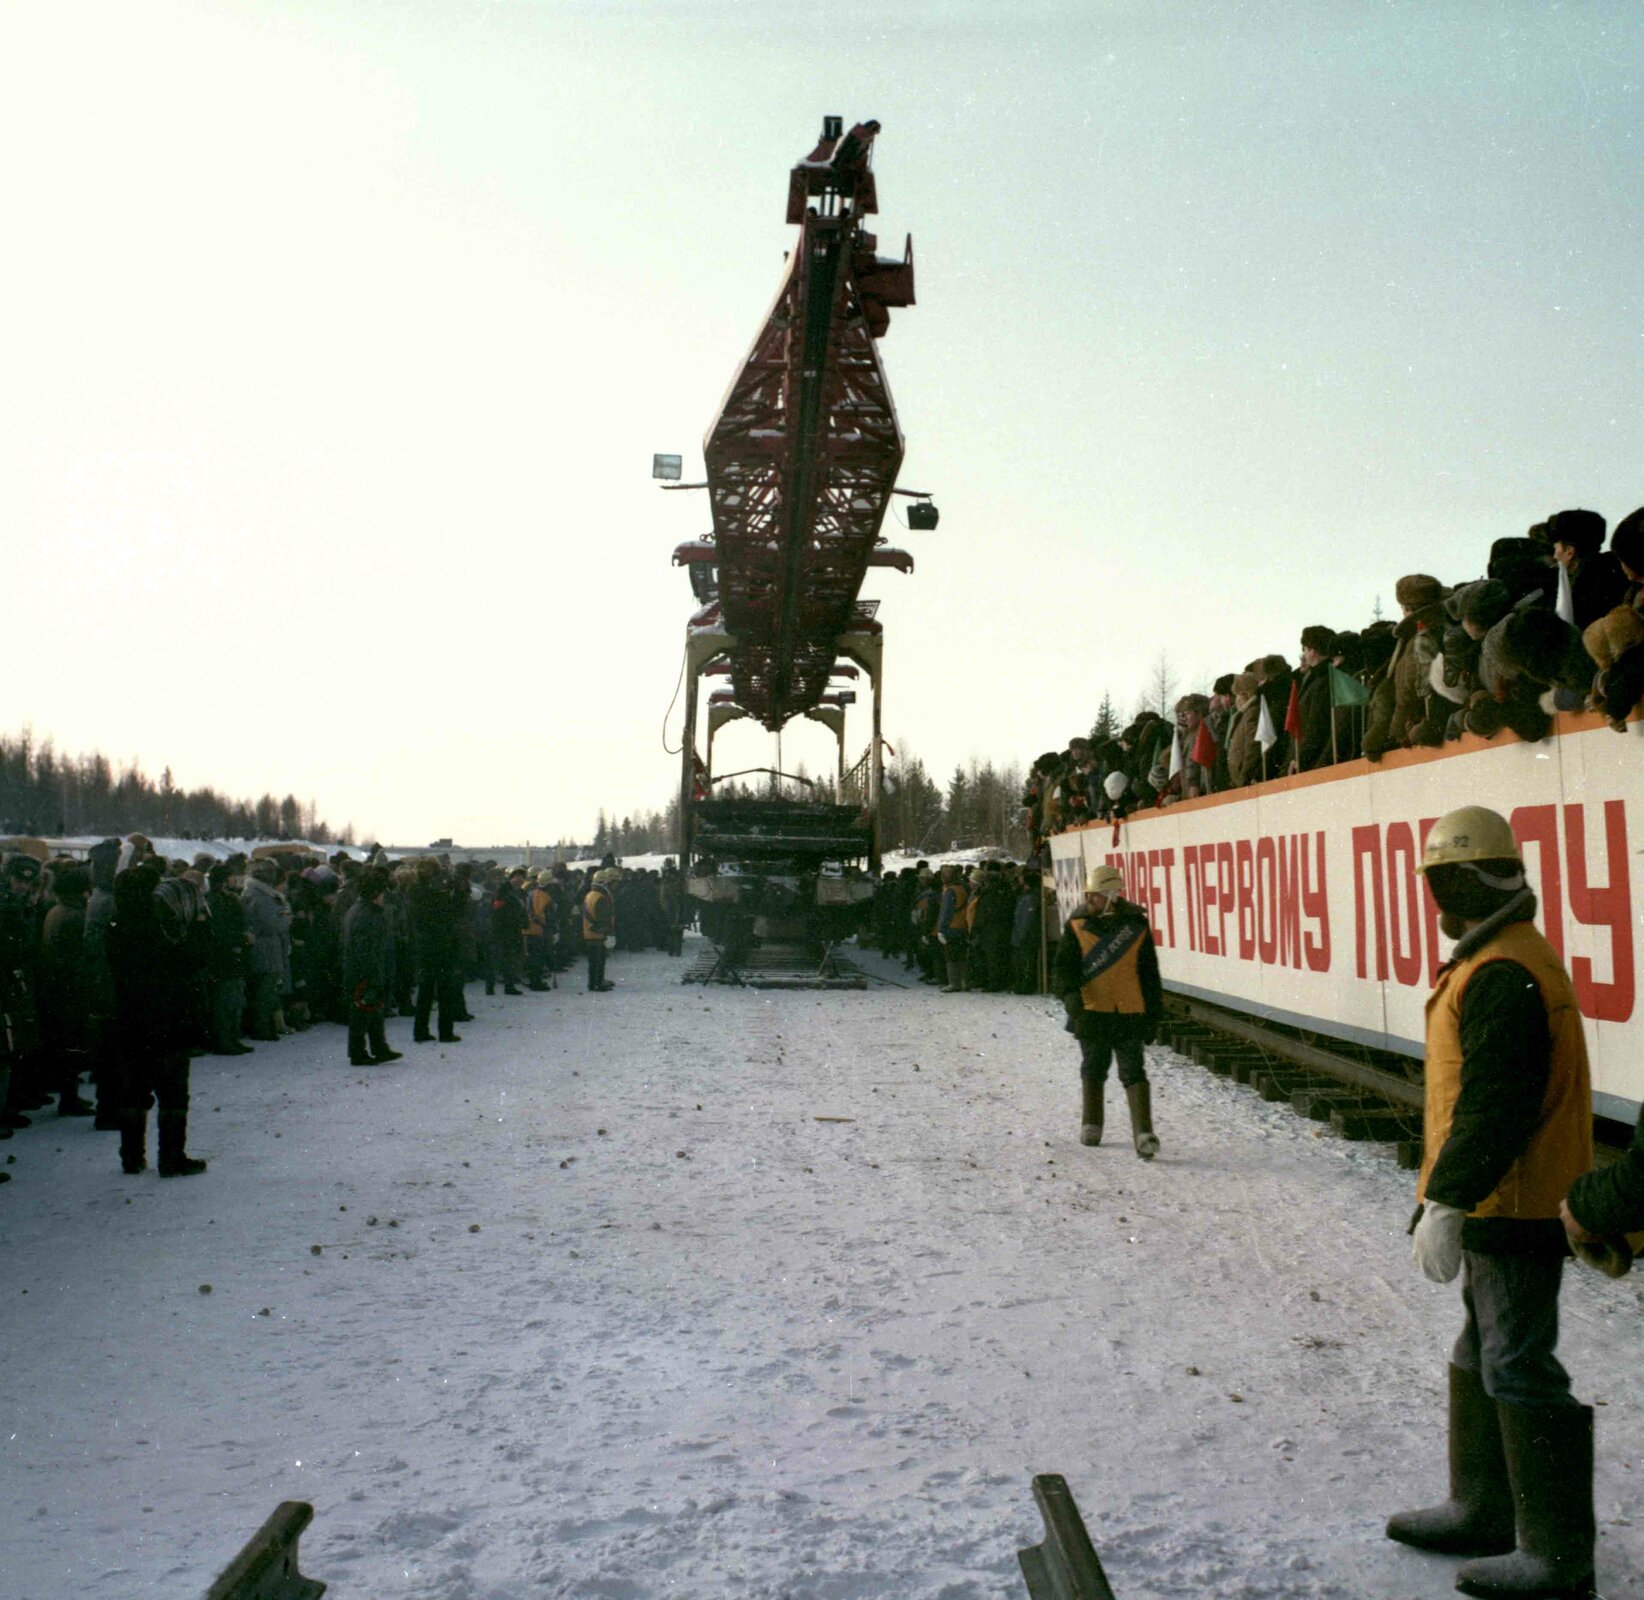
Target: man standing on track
[[1508, 1128], [1107, 972]]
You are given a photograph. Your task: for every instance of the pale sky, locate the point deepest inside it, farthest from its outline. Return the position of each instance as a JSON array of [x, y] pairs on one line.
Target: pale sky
[[339, 337]]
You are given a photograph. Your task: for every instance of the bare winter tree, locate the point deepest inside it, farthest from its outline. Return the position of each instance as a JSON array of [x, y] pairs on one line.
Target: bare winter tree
[[1161, 686]]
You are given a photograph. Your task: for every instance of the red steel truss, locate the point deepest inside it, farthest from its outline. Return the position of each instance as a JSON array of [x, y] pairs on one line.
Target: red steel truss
[[805, 451]]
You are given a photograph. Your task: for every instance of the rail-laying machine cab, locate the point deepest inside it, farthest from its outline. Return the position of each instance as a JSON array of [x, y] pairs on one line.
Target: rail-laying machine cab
[[801, 465]]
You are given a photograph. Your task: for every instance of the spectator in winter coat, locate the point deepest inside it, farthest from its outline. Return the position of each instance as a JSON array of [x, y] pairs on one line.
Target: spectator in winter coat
[[1314, 746], [103, 859], [268, 957], [1243, 753], [1525, 661], [508, 930], [1275, 677], [1597, 583], [1620, 655], [1397, 703], [1196, 778], [429, 902], [951, 931], [1025, 932], [151, 957], [229, 944], [368, 971], [62, 987]]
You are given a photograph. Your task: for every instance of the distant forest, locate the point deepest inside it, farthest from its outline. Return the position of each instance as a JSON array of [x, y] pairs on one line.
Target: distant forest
[[980, 808], [44, 793]]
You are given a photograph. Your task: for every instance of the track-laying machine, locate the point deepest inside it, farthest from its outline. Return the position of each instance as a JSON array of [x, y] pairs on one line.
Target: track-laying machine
[[801, 466]]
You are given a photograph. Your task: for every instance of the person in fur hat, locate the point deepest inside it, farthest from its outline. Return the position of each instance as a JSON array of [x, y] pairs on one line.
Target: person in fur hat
[[268, 957], [1398, 702], [1623, 674], [1597, 583], [1474, 608], [1314, 746], [1609, 641], [1106, 972], [1525, 661], [1244, 764]]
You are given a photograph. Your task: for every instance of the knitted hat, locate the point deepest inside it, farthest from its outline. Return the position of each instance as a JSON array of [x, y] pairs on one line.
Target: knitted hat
[[1417, 590]]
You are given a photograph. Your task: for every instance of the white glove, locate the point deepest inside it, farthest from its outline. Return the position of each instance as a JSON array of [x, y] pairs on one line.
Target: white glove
[[1435, 1246]]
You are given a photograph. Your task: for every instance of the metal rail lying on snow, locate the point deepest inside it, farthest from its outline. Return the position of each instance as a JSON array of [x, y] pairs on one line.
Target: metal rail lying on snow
[[1065, 1566]]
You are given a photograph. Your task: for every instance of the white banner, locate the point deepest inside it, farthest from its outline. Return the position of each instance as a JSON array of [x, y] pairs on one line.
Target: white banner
[[1298, 899]]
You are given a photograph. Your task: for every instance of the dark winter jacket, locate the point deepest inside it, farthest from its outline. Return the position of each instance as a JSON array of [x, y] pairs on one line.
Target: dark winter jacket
[[367, 956], [152, 962], [228, 944], [1597, 586], [268, 921], [1314, 747], [61, 983], [1611, 1202]]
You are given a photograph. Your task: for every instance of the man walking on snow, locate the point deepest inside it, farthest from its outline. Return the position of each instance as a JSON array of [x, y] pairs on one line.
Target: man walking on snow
[[1107, 973], [1508, 1128]]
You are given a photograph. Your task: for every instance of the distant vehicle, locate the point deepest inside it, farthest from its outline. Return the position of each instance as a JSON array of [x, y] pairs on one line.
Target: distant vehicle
[[441, 844]]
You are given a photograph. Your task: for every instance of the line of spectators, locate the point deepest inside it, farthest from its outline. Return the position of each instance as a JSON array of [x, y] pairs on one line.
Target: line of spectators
[[963, 927], [123, 967], [1556, 623]]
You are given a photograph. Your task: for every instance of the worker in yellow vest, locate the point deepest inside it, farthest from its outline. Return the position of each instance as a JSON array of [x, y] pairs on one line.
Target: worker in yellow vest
[[1508, 1128], [1107, 973], [598, 925]]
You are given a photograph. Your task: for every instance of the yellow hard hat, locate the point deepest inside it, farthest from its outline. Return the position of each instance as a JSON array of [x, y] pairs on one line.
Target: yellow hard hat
[[1469, 833], [1105, 880]]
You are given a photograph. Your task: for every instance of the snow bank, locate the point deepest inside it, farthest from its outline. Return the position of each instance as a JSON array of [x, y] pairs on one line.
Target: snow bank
[[591, 1304]]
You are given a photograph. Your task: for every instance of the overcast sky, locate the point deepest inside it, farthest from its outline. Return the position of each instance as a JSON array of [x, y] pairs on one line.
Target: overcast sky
[[338, 338]]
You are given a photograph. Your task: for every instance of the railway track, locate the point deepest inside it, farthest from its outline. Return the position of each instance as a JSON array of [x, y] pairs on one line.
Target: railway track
[[1361, 1094]]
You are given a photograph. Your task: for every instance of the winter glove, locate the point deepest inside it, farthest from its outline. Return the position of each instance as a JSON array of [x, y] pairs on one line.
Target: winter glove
[[1435, 1246], [365, 997], [1150, 1031], [1074, 1006]]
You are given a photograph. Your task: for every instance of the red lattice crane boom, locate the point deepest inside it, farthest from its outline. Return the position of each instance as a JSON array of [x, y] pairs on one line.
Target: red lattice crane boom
[[804, 453]]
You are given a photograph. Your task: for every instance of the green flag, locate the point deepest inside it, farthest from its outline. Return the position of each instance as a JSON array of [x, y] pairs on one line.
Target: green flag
[[1346, 691]]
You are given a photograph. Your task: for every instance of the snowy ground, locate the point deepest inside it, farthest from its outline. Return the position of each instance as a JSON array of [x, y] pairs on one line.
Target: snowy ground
[[593, 1305]]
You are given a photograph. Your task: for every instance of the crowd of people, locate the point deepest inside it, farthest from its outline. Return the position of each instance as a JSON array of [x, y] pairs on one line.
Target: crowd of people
[[120, 968], [959, 927], [1556, 623]]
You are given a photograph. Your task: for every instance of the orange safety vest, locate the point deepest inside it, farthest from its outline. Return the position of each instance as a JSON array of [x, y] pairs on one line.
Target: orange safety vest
[[537, 910], [959, 922], [1561, 1149], [598, 914], [1118, 986]]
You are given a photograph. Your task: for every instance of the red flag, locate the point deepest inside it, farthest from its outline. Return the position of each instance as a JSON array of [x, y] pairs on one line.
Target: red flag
[[1204, 746], [1292, 713]]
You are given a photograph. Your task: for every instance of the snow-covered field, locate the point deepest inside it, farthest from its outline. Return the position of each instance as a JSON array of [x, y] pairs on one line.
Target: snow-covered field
[[592, 1304]]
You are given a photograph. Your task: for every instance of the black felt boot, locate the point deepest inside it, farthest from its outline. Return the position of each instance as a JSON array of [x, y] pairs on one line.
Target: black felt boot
[[1140, 1096], [133, 1142], [1477, 1519], [175, 1162], [1090, 1115], [1550, 1469]]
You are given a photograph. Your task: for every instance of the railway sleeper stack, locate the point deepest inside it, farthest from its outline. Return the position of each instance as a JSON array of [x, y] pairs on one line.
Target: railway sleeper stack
[[1350, 1110]]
